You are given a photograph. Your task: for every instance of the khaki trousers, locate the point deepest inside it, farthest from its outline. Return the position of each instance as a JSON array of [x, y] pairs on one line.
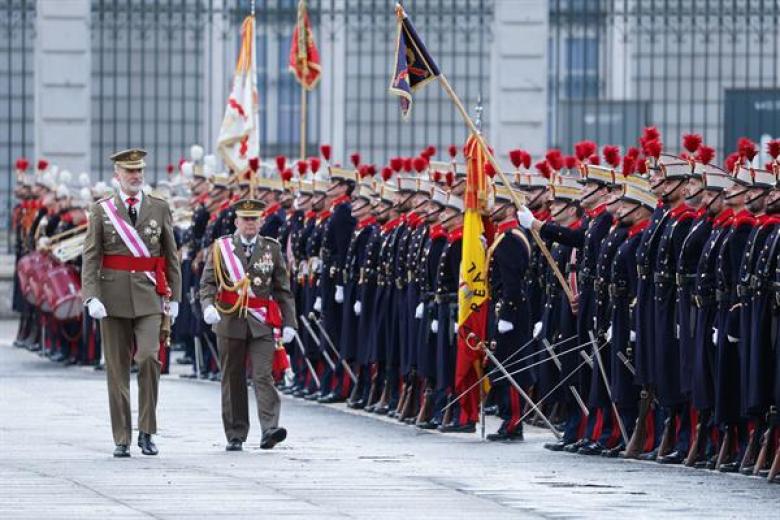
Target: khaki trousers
[[117, 336], [235, 408]]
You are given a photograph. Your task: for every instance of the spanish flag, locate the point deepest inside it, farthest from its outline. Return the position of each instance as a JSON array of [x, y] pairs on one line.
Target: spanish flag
[[304, 56], [473, 286]]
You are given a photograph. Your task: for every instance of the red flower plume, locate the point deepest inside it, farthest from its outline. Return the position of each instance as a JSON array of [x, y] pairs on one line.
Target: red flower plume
[[632, 152], [731, 162], [641, 165], [287, 174], [489, 170], [554, 159], [651, 133], [420, 164], [612, 155], [386, 173], [325, 151], [746, 148], [370, 170], [516, 157], [281, 162], [43, 164], [449, 178], [355, 158], [22, 164], [303, 167], [437, 176], [362, 170], [705, 154], [429, 151], [629, 165], [691, 142], [544, 168], [653, 148], [526, 160], [594, 159], [773, 148], [254, 163], [169, 169], [407, 162], [453, 151], [570, 161], [396, 163], [314, 164], [584, 149]]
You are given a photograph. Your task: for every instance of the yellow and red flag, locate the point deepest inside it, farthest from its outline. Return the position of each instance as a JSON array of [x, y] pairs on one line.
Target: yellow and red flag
[[239, 138], [473, 286], [304, 56]]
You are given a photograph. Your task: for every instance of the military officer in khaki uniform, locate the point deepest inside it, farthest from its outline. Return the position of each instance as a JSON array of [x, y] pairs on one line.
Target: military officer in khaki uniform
[[245, 294], [130, 277]]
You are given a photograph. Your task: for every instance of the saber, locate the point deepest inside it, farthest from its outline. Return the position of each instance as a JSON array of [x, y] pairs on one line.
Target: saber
[[306, 359], [604, 378], [344, 364], [560, 384], [506, 365], [328, 360], [572, 388], [622, 357], [553, 357], [469, 342]]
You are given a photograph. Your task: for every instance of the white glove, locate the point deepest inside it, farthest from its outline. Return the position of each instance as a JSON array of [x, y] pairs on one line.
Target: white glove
[[435, 326], [288, 334], [96, 309], [210, 315], [677, 331], [318, 304], [455, 328], [289, 377], [608, 334], [525, 217], [173, 311], [714, 336], [505, 326], [357, 308], [537, 328], [632, 336], [418, 312], [339, 296], [732, 339]]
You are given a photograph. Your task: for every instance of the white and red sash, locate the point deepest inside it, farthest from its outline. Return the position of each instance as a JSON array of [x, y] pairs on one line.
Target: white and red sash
[[128, 234], [236, 273]]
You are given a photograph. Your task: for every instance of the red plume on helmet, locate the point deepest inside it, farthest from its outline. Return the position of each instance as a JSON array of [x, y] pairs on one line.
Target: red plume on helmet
[[362, 170], [653, 148], [449, 178], [746, 148], [355, 159], [303, 167], [544, 168], [611, 155], [429, 151], [325, 151], [632, 152], [526, 160], [570, 162], [651, 133], [314, 164], [584, 149], [407, 162], [22, 164], [386, 173], [169, 169], [629, 165], [705, 154], [437, 176], [731, 162], [691, 142], [43, 164], [594, 159], [287, 174], [641, 165], [370, 170], [555, 159], [420, 164], [396, 163], [453, 151], [773, 148], [516, 157], [254, 164], [490, 171], [281, 162]]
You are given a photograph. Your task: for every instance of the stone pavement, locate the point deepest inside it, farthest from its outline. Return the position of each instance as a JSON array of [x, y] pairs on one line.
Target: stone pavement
[[55, 462]]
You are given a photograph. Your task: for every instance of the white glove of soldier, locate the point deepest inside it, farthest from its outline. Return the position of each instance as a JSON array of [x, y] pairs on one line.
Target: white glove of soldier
[[96, 309], [435, 326], [505, 326], [732, 339], [525, 217], [632, 336], [318, 304], [714, 336], [288, 334], [357, 308], [418, 312], [455, 328], [339, 296], [173, 311], [211, 315], [608, 334], [537, 328]]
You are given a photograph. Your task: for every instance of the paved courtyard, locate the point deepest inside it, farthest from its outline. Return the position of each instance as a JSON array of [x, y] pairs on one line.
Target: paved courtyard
[[55, 462]]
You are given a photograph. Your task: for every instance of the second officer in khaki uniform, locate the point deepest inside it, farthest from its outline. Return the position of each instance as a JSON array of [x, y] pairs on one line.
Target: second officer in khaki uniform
[[245, 295]]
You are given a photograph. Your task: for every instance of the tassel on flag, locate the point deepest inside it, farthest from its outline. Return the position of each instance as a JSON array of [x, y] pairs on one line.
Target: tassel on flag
[[304, 56], [414, 67], [239, 138]]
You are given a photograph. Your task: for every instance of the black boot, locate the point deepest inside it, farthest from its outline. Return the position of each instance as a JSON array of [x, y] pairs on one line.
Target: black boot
[[146, 444]]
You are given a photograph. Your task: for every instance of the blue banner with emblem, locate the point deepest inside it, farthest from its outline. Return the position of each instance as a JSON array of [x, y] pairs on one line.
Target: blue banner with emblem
[[414, 66]]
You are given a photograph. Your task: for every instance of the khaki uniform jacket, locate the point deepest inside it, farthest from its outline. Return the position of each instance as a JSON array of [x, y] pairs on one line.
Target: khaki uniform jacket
[[127, 294], [268, 281]]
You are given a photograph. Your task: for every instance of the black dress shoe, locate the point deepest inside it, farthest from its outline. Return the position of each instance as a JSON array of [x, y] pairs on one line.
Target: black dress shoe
[[234, 445], [357, 405], [503, 435], [592, 448], [729, 467], [705, 463], [613, 453], [491, 410], [575, 446], [331, 398], [382, 410], [314, 396], [649, 455], [557, 446], [428, 425], [146, 444], [747, 470], [458, 428], [273, 437], [675, 457], [121, 450]]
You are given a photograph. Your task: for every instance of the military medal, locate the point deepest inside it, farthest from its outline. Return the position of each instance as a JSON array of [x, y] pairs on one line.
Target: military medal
[[153, 223]]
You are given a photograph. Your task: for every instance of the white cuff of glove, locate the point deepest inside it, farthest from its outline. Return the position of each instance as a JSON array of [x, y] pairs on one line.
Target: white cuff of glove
[[537, 328], [715, 336], [339, 296], [358, 307], [96, 309], [608, 334], [455, 328], [318, 304], [435, 326], [632, 336], [418, 311], [211, 315], [525, 218], [505, 326], [732, 339], [173, 310], [288, 334]]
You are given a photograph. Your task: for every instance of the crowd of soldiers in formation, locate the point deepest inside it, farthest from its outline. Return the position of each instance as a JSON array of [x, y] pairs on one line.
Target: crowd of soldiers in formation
[[664, 347]]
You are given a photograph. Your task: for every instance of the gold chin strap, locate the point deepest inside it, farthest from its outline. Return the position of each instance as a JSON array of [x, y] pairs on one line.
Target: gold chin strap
[[241, 287]]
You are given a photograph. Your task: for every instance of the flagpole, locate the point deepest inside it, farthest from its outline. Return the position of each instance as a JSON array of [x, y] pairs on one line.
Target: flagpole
[[303, 122], [518, 203]]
